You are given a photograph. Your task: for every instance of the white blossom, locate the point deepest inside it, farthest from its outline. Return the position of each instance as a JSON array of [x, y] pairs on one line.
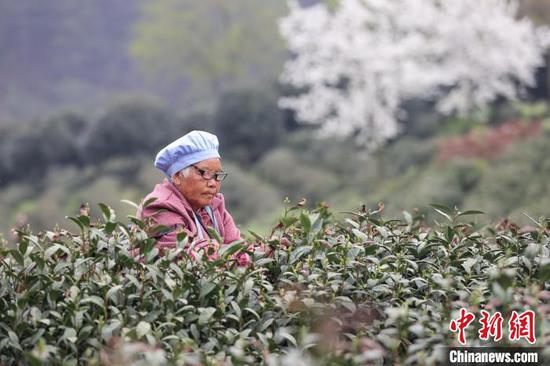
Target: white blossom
[[358, 63]]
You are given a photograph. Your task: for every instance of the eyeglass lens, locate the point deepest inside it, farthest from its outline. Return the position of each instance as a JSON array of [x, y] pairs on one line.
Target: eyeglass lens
[[207, 174]]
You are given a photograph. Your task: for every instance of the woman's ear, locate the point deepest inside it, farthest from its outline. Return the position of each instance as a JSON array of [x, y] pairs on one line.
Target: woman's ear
[[176, 179]]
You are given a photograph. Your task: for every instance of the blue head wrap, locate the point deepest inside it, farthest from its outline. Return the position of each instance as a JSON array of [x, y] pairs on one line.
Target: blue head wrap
[[189, 149]]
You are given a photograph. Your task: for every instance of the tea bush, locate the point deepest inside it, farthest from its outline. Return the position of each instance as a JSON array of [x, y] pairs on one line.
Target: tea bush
[[364, 290]]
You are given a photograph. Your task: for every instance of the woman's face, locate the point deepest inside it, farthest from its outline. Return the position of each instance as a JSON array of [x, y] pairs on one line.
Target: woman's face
[[198, 191]]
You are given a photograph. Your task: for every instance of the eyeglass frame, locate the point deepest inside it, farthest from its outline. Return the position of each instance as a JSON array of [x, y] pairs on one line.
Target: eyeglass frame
[[217, 176]]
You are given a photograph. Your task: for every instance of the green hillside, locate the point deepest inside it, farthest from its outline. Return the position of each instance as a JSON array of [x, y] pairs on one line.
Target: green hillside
[[466, 164]]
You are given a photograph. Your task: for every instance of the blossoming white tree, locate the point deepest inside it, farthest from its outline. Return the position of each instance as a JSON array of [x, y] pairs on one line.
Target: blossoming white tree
[[356, 64]]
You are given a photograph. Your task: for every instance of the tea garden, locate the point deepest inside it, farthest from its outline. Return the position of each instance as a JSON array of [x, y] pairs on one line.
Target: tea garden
[[323, 289]]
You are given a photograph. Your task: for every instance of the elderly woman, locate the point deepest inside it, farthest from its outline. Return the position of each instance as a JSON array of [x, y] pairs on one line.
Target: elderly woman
[[189, 200]]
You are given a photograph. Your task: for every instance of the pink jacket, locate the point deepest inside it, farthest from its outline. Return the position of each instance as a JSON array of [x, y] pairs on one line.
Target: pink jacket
[[171, 209]]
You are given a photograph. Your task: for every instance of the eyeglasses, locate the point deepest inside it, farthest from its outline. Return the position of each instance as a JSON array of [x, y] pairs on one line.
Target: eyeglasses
[[207, 174]]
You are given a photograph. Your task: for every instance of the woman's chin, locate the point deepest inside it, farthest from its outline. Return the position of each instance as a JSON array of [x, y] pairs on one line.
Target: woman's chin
[[207, 200]]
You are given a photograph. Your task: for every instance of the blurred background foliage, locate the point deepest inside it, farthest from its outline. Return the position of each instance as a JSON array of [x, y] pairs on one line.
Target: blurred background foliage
[[91, 91], [228, 44]]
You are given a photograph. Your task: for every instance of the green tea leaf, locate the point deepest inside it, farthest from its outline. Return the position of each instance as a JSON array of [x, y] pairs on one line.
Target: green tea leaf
[[283, 333], [70, 335], [94, 300], [299, 252], [360, 235], [206, 314], [207, 288], [229, 249], [106, 211], [471, 212], [142, 329], [305, 221], [133, 204]]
